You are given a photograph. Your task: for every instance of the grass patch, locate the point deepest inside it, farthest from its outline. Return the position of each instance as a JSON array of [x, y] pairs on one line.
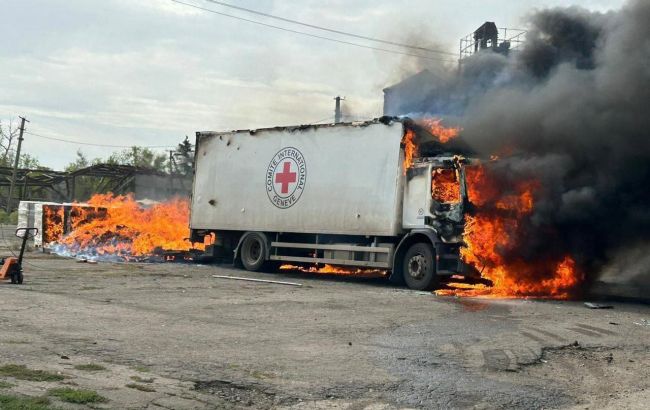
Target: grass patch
[[24, 403], [90, 367], [21, 372], [5, 385], [141, 380], [141, 369], [261, 375], [140, 387], [77, 396]]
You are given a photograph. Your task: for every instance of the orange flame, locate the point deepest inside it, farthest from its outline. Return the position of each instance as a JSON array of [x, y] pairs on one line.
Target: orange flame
[[118, 225], [444, 186], [337, 270], [493, 232], [435, 127], [53, 223], [410, 149]]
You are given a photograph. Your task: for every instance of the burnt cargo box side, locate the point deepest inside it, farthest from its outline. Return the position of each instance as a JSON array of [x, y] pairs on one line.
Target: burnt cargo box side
[[336, 179]]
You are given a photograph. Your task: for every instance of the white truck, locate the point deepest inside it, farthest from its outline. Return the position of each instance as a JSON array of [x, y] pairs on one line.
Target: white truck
[[336, 194]]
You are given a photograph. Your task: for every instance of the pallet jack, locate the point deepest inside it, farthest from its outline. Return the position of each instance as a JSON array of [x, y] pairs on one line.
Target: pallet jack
[[12, 267]]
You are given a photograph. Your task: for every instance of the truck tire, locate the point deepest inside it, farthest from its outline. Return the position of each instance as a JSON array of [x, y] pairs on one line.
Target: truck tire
[[253, 252], [419, 267]]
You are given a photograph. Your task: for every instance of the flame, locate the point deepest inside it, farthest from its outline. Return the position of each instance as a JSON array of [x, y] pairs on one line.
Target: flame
[[53, 223], [119, 226], [336, 270], [435, 127], [444, 186], [493, 231], [410, 149]]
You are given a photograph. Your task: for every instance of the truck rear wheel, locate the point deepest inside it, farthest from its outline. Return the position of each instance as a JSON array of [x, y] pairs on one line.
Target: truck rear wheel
[[419, 267], [253, 251]]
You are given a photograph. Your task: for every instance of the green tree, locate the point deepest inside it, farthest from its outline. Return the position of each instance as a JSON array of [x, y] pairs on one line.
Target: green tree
[[139, 157], [184, 157], [80, 162], [30, 162]]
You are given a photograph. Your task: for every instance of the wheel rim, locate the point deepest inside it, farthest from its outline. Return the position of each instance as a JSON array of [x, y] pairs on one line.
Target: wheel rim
[[253, 251], [417, 267]]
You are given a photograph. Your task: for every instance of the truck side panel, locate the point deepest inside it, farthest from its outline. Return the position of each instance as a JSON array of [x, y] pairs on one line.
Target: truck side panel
[[343, 179]]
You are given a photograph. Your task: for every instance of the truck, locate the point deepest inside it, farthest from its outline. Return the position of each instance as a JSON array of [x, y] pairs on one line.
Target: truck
[[351, 195]]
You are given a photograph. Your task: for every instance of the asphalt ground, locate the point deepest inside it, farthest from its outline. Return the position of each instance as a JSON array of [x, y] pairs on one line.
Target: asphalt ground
[[195, 341]]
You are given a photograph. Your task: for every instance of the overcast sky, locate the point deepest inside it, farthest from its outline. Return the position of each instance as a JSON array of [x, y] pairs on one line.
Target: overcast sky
[[149, 72]]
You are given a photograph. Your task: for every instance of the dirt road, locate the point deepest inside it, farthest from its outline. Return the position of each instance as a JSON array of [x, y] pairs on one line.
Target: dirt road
[[172, 336]]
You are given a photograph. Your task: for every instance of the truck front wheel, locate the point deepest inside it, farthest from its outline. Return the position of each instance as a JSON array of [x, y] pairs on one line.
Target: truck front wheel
[[253, 251], [419, 267]]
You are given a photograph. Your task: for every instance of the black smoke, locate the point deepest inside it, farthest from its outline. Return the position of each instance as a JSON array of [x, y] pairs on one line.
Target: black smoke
[[572, 110]]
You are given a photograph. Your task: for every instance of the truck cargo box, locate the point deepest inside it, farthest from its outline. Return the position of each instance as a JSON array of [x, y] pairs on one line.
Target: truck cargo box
[[330, 179]]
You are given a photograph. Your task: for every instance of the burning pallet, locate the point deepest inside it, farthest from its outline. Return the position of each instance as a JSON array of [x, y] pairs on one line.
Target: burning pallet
[[114, 228]]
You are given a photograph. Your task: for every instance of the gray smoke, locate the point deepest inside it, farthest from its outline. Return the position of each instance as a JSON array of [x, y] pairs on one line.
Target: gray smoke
[[572, 109]]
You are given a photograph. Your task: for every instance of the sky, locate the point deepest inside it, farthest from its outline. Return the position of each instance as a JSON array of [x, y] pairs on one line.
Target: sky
[[150, 72]]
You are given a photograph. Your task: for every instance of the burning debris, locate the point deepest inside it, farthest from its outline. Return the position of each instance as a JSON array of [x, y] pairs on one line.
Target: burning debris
[[117, 228]]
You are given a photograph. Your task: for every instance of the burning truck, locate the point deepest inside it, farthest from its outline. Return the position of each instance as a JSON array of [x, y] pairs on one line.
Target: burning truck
[[390, 196], [387, 194]]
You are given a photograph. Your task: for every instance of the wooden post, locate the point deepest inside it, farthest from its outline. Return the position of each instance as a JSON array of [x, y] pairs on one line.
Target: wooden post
[[16, 162]]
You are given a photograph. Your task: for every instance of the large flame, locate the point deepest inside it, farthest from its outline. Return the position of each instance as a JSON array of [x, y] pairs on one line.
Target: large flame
[[118, 226], [435, 127], [410, 149], [53, 226], [494, 231], [444, 186]]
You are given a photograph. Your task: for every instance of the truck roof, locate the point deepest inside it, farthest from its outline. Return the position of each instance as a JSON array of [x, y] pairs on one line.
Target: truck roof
[[429, 146], [386, 120]]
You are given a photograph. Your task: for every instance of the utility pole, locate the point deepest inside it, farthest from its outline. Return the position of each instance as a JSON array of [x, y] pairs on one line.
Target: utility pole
[[15, 173], [171, 171], [337, 110]]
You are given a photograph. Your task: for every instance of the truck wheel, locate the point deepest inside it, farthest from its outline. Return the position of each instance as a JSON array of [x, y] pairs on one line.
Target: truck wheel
[[253, 251], [419, 267]]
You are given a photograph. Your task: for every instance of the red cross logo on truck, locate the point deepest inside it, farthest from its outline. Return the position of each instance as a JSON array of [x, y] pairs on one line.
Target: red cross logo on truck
[[286, 176]]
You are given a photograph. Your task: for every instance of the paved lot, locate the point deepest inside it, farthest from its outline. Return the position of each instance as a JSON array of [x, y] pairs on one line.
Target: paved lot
[[202, 342]]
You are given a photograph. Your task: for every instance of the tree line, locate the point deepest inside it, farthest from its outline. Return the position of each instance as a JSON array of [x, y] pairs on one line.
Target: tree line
[[179, 162]]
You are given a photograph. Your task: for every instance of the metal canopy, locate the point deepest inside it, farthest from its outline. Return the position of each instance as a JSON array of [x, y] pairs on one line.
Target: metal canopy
[[114, 178]]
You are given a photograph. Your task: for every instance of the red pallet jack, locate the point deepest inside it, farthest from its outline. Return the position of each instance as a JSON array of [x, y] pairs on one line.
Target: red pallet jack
[[12, 267]]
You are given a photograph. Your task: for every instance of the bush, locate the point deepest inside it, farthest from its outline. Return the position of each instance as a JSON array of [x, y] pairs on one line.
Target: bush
[[24, 403], [23, 373], [8, 219]]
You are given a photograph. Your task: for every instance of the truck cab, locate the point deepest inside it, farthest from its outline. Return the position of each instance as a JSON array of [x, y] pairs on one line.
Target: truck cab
[[435, 200]]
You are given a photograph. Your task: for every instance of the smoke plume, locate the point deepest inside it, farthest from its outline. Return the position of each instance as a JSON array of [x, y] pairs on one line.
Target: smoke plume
[[572, 111]]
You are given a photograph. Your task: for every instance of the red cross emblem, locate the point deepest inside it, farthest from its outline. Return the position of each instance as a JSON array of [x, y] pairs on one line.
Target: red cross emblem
[[285, 177]]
